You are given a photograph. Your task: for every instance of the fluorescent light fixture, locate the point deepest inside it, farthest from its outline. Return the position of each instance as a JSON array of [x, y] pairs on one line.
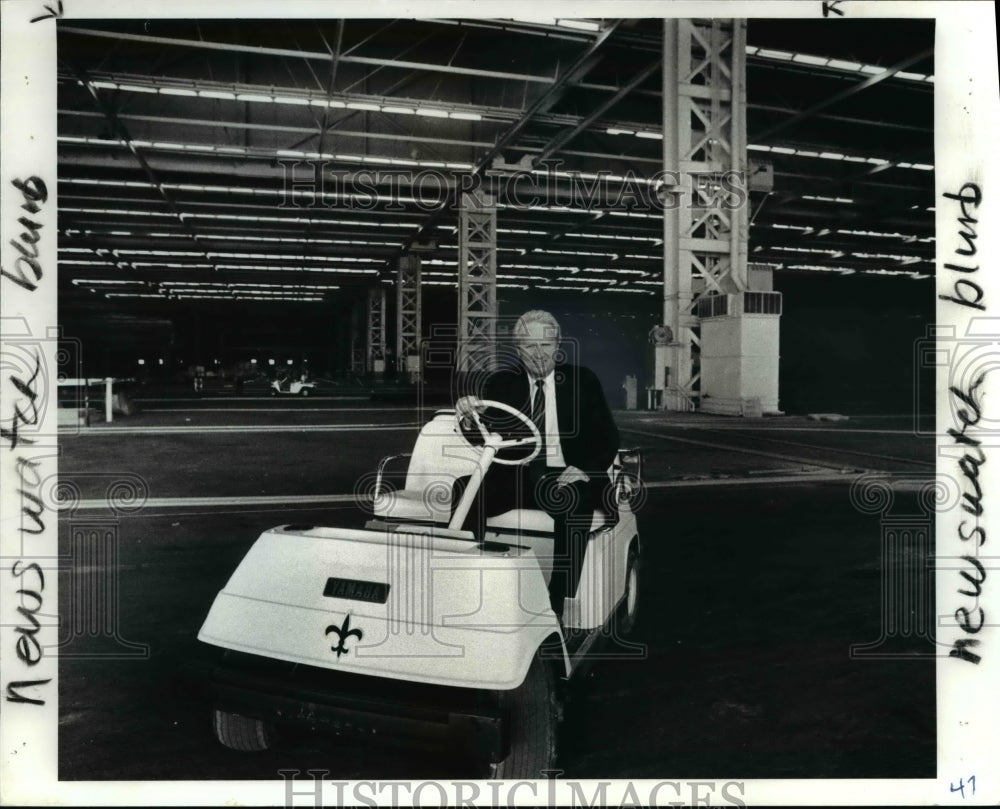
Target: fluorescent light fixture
[[106, 281], [579, 25], [616, 131], [466, 116], [650, 135], [171, 265], [843, 64], [820, 198], [826, 251], [178, 91], [808, 59], [766, 53], [301, 101], [362, 105], [254, 97], [534, 20], [429, 112], [222, 94], [399, 110], [822, 268]]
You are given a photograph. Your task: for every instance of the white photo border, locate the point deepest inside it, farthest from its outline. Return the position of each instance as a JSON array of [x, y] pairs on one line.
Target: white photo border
[[967, 123]]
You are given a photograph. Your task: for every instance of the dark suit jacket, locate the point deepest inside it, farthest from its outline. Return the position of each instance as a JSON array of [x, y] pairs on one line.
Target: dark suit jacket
[[587, 431]]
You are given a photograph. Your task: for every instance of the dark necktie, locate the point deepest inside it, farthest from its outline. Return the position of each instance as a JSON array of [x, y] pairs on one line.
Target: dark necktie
[[538, 416]]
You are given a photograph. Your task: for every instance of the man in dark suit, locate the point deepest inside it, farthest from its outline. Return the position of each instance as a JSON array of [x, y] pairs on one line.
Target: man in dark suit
[[569, 478]]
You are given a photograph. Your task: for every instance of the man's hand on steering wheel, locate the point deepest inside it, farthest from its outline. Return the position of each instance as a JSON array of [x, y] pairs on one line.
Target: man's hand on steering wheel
[[469, 412]]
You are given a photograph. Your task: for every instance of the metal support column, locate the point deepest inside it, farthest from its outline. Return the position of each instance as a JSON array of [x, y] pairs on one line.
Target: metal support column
[[376, 330], [477, 282], [705, 218], [408, 322], [357, 337]]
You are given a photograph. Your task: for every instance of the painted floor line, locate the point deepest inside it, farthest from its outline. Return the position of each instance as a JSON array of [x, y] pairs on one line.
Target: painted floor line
[[320, 499], [250, 428], [805, 477], [185, 502], [777, 429], [247, 398], [274, 409], [730, 448]]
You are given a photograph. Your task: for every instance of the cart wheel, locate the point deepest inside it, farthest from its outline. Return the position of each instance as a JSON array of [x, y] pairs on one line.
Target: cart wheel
[[304, 392], [628, 611], [274, 392], [531, 711], [241, 732]]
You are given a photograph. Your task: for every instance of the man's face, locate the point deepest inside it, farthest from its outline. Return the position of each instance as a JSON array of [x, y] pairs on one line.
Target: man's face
[[537, 347]]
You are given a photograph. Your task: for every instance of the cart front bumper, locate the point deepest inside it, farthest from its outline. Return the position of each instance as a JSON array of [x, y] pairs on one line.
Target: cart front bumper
[[383, 710]]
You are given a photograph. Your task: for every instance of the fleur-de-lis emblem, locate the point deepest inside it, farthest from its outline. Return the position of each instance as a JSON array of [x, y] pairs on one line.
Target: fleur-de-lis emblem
[[343, 633]]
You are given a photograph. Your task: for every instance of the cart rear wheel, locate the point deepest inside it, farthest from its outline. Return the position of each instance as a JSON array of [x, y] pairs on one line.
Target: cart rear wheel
[[628, 611], [241, 732], [531, 714]]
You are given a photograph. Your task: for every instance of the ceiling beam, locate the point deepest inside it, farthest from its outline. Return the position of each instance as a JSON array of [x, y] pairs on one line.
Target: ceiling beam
[[429, 67], [843, 94], [567, 135]]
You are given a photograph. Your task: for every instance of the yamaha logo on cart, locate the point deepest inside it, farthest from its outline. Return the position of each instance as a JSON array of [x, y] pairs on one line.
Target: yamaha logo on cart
[[374, 592], [343, 632]]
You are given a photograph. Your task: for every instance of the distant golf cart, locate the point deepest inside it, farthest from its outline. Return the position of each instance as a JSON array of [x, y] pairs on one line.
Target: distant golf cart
[[410, 630], [293, 387]]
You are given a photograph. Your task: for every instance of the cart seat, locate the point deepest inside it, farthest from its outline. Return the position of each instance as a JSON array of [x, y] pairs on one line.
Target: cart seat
[[537, 521], [440, 457]]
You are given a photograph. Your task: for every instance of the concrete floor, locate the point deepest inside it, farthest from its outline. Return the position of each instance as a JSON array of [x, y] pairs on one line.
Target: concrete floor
[[761, 571]]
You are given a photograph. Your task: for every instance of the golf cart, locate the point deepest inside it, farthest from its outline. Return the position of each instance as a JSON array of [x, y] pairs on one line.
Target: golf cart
[[293, 387], [411, 629]]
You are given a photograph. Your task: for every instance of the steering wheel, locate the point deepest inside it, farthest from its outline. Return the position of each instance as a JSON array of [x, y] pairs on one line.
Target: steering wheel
[[533, 441]]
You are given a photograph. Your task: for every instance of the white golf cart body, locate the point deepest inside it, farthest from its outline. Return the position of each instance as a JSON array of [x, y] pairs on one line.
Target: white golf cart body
[[295, 387], [408, 599]]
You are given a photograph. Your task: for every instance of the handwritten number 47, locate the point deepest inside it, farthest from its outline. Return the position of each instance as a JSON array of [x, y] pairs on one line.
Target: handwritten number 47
[[962, 784]]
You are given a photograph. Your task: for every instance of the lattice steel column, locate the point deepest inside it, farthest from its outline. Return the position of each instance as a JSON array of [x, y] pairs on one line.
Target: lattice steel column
[[376, 330], [357, 337], [704, 151], [408, 323], [477, 282]]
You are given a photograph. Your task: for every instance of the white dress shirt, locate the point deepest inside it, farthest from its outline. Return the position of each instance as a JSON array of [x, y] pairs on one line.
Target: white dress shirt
[[553, 448]]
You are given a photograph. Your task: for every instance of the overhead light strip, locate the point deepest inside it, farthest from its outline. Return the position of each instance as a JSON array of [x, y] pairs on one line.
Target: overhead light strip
[[344, 102], [842, 65], [790, 151], [243, 151]]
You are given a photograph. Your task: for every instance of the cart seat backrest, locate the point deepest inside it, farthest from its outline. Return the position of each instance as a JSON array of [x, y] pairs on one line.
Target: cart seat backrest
[[440, 454]]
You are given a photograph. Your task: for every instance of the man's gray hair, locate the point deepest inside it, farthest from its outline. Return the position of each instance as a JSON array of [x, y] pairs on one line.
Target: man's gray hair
[[537, 316]]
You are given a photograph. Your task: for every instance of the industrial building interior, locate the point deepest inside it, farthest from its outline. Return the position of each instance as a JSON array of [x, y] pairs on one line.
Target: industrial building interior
[[734, 222], [234, 191]]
